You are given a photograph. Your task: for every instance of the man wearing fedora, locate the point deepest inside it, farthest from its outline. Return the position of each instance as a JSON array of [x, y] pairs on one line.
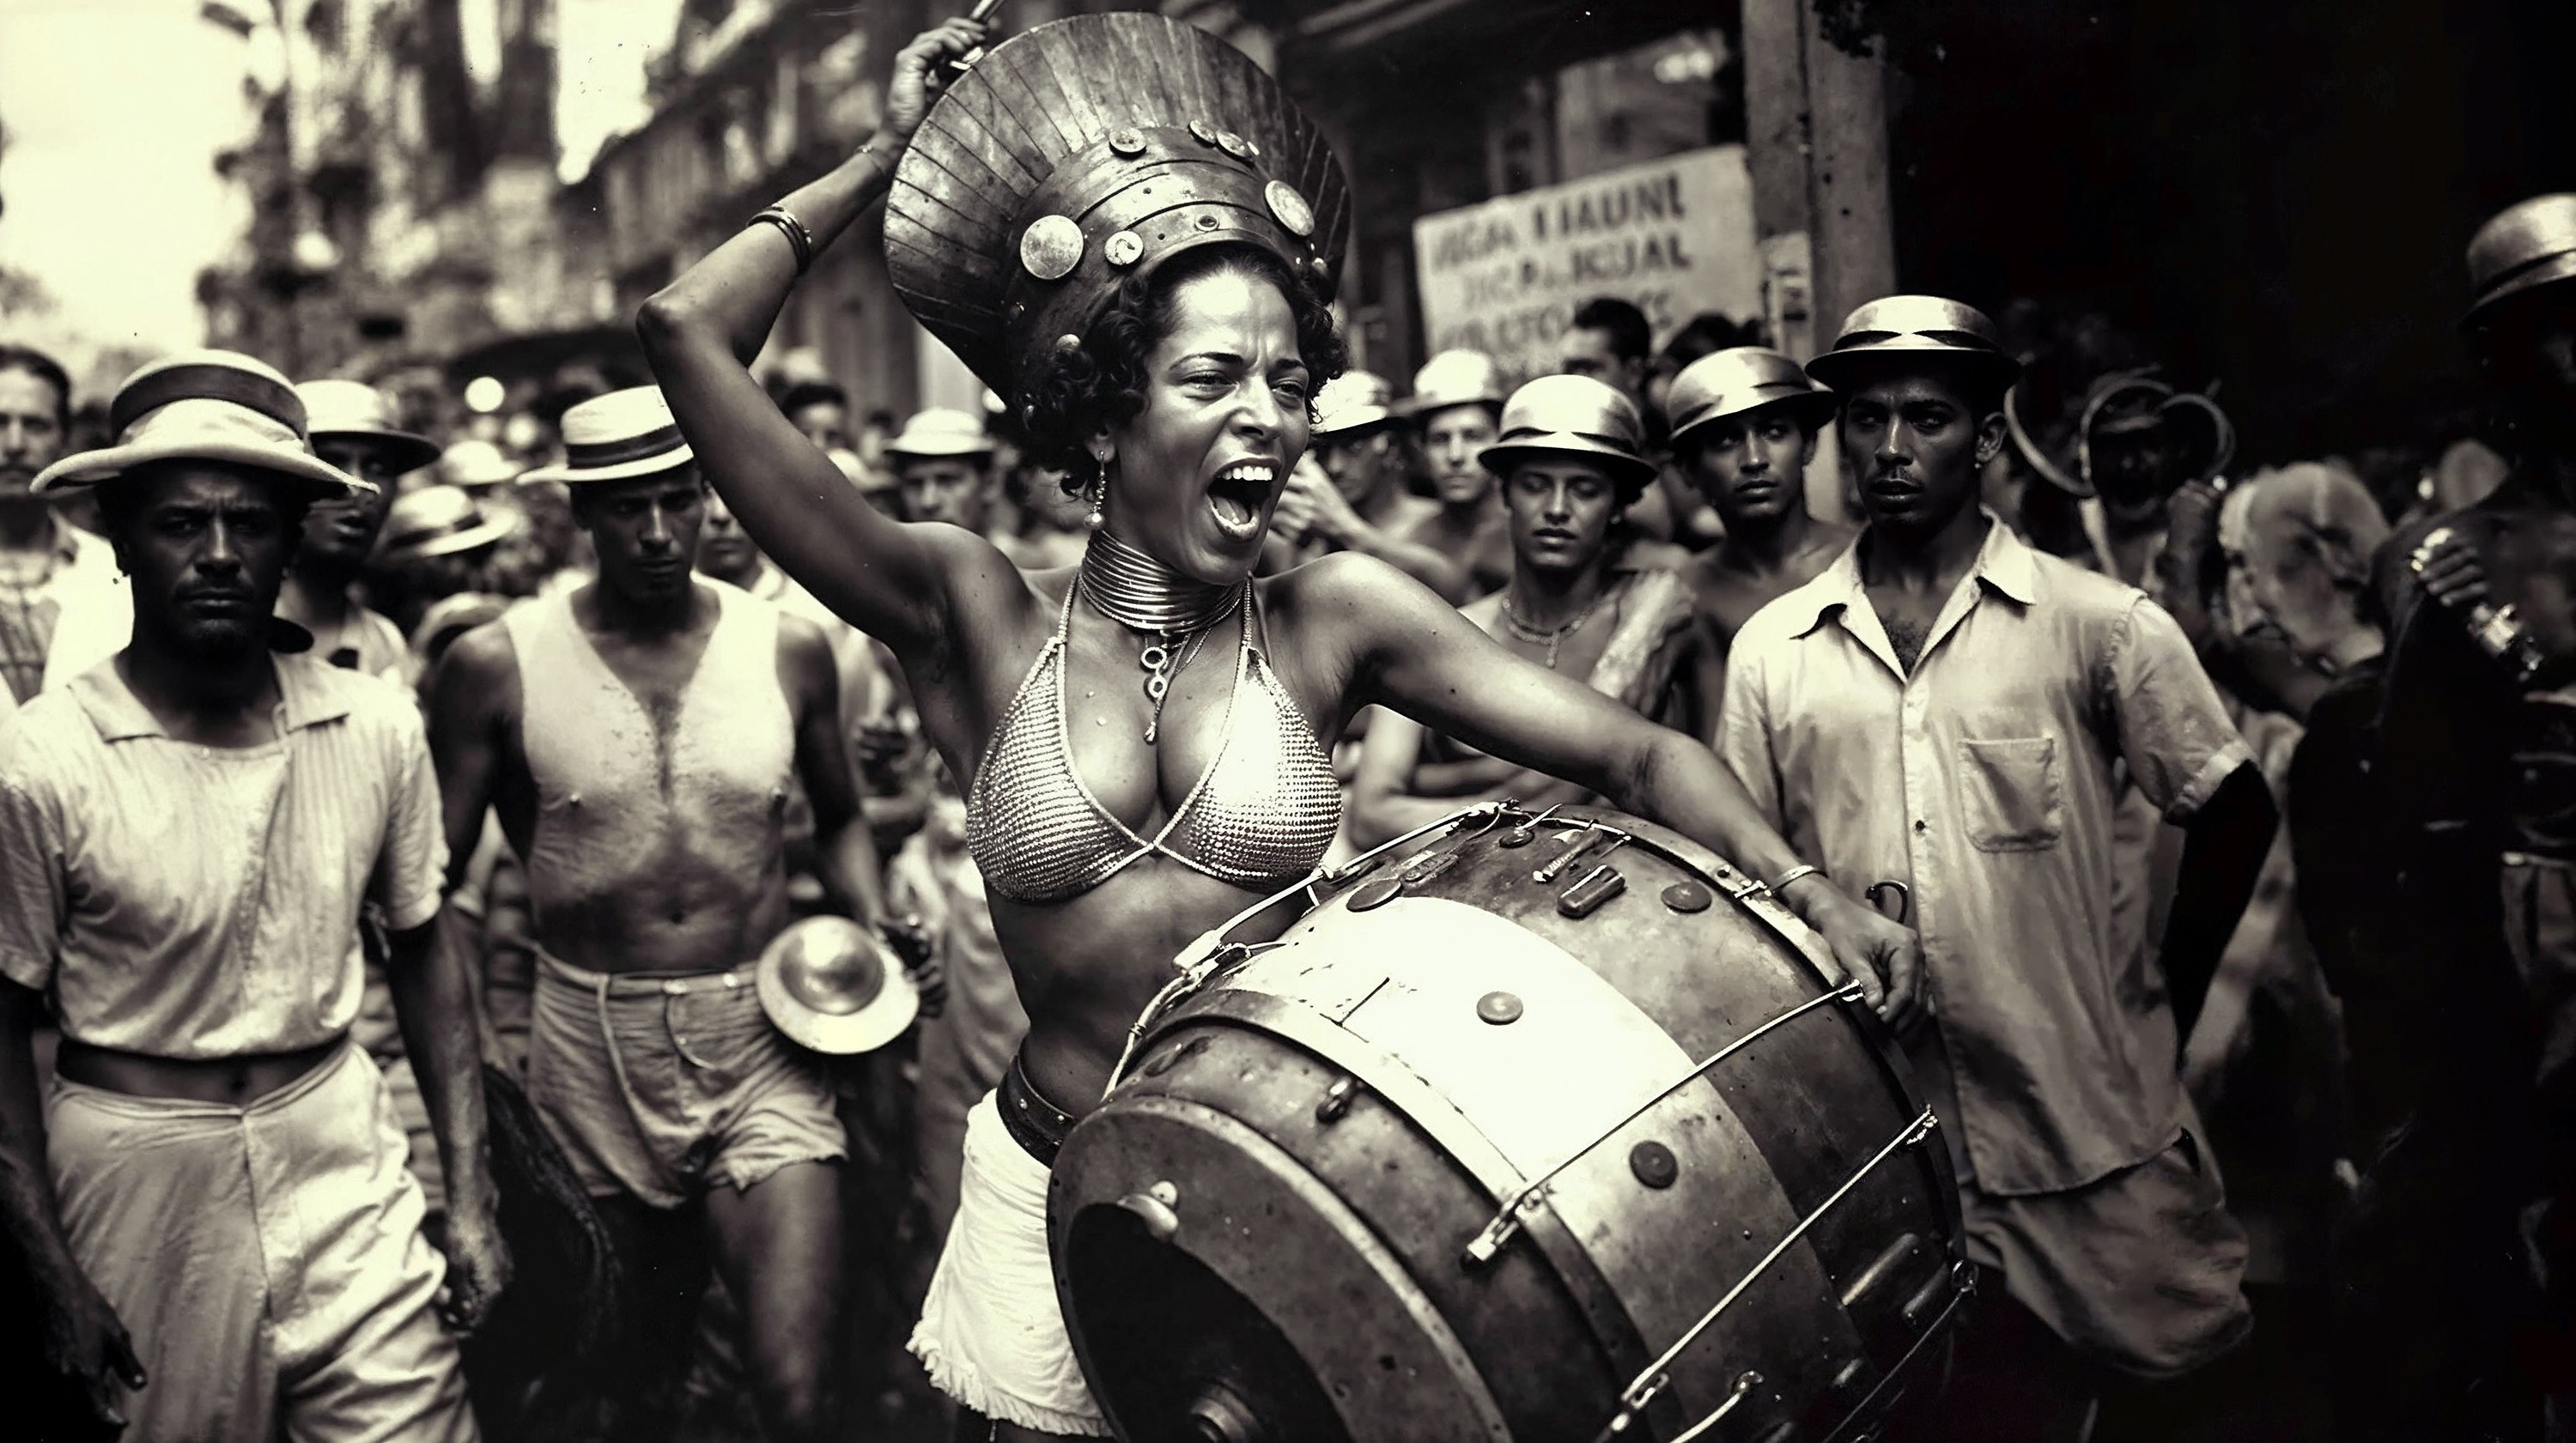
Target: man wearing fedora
[[437, 542], [2466, 1228], [1943, 708], [352, 428], [1744, 426], [639, 735], [212, 1196], [62, 602], [1453, 415]]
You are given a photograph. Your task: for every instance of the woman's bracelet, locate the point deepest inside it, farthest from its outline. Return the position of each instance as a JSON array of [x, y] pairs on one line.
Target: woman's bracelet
[[798, 237], [1794, 874]]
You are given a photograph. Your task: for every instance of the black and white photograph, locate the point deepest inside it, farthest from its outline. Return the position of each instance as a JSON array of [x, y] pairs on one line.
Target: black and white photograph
[[1288, 721]]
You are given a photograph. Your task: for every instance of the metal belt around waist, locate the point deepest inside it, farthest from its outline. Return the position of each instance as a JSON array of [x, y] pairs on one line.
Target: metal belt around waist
[[1037, 1125]]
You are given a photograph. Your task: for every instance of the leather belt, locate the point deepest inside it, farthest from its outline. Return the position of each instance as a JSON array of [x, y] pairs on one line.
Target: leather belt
[[1037, 1125]]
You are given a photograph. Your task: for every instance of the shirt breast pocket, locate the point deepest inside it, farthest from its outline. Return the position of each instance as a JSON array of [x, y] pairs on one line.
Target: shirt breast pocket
[[2009, 796]]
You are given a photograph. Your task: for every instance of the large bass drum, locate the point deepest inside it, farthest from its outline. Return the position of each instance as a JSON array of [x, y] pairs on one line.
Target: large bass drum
[[1549, 1128]]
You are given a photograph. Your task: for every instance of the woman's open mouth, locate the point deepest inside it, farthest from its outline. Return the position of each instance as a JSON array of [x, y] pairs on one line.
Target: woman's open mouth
[[1238, 495]]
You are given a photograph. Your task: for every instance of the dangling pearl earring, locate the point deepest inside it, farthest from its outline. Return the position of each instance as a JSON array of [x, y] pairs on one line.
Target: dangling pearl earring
[[1099, 489]]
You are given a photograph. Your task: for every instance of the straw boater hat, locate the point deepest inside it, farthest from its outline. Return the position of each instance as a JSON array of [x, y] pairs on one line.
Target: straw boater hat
[[441, 521], [1915, 328], [2526, 245], [617, 437], [941, 432], [1354, 404], [1085, 152], [1455, 378], [830, 985], [1573, 416], [1740, 379], [356, 411], [204, 406]]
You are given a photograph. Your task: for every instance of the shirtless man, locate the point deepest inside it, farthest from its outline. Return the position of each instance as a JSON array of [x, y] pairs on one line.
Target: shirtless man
[[1455, 409], [1744, 426], [1350, 495], [639, 736]]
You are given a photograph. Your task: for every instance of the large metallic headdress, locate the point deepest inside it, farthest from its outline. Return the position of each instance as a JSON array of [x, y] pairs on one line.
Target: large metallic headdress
[[1087, 151]]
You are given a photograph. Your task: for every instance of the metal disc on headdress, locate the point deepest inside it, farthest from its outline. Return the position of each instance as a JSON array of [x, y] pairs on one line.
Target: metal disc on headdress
[[1117, 123]]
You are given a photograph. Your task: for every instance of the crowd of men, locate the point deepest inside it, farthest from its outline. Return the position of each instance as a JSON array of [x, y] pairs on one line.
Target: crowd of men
[[2235, 809]]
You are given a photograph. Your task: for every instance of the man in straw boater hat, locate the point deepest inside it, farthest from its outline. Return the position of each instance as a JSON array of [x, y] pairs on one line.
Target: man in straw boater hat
[[1453, 415], [639, 735], [1942, 708], [1744, 426], [1571, 459], [352, 428], [213, 1198], [2478, 748]]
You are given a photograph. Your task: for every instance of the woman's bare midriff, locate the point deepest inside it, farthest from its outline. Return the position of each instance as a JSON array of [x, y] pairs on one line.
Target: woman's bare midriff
[[1086, 968]]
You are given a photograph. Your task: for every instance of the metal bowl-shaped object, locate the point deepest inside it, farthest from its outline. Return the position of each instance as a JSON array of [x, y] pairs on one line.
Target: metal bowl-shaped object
[[831, 985], [1546, 1129]]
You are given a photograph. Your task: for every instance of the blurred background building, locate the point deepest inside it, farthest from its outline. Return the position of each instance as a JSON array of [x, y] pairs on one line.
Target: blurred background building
[[2275, 195]]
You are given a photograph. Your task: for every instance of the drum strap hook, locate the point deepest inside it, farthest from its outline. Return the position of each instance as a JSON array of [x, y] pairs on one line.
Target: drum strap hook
[[1489, 1243]]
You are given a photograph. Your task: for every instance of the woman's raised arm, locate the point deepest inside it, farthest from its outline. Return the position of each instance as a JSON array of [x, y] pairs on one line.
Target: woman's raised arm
[[701, 333]]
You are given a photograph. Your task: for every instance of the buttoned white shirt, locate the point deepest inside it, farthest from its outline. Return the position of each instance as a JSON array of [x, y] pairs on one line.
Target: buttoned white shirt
[[1986, 782]]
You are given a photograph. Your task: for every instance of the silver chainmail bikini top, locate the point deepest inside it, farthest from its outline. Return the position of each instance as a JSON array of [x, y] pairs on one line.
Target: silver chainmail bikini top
[[1260, 817]]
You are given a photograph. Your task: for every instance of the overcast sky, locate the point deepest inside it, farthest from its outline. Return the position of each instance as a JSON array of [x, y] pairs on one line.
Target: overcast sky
[[115, 109]]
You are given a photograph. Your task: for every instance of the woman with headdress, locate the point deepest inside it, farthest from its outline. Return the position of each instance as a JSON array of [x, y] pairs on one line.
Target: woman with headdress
[[1127, 229]]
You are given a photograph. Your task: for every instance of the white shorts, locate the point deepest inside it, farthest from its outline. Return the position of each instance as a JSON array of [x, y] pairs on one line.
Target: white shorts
[[992, 1335]]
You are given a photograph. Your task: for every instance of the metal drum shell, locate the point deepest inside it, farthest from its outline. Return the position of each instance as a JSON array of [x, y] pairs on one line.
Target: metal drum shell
[[1567, 1313]]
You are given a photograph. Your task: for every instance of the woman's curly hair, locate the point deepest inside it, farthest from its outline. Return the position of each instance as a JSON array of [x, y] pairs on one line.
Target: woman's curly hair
[[1072, 393]]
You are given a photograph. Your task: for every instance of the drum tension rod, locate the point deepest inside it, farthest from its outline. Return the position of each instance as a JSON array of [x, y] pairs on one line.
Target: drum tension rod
[[1489, 1243], [1657, 1375]]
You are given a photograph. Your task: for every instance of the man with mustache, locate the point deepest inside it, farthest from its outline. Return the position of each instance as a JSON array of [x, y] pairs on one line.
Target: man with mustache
[[48, 567], [1943, 708], [212, 1195], [640, 736]]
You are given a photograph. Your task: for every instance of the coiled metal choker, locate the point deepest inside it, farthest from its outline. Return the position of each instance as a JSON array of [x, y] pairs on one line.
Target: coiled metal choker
[[1140, 593]]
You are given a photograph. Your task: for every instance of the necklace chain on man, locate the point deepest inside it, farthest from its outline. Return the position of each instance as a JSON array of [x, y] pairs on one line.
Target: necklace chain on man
[[1554, 639]]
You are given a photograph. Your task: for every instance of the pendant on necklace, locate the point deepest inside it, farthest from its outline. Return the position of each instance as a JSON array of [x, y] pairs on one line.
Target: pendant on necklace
[[1156, 659]]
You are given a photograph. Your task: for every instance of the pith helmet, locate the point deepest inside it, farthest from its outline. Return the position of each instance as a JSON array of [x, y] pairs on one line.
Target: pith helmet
[[1915, 328], [1740, 379], [2532, 243], [1455, 378], [1087, 151], [1573, 415]]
